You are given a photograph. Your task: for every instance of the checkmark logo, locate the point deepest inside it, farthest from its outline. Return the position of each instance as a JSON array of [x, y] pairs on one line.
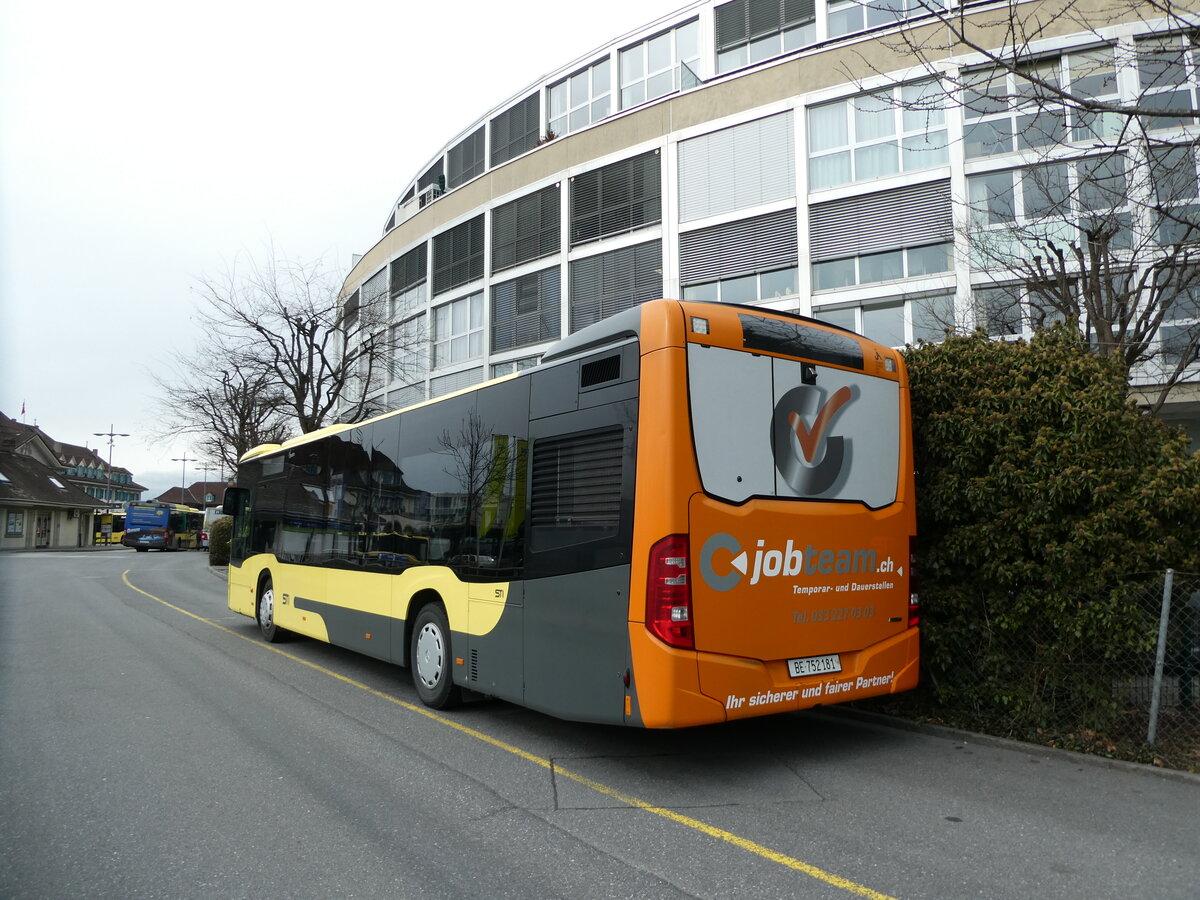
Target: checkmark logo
[[808, 455], [810, 439]]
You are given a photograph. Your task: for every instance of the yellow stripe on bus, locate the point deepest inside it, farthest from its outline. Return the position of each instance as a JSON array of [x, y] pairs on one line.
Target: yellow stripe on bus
[[712, 831]]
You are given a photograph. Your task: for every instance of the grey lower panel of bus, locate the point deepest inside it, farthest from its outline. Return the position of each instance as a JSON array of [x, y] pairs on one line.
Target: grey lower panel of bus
[[577, 644], [349, 628], [565, 651]]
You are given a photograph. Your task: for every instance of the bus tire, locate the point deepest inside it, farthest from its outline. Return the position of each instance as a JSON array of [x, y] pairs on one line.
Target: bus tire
[[431, 659], [265, 613]]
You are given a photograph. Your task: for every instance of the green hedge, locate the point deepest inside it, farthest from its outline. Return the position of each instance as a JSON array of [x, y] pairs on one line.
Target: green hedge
[[218, 541], [1045, 500]]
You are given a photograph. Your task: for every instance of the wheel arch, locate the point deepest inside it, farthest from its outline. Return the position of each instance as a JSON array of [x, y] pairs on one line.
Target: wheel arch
[[416, 603]]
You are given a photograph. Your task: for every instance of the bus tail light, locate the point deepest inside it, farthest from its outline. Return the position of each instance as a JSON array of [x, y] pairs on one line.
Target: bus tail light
[[914, 598], [668, 593]]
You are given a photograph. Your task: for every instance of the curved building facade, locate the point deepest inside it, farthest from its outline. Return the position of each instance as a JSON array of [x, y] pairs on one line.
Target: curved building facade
[[783, 153]]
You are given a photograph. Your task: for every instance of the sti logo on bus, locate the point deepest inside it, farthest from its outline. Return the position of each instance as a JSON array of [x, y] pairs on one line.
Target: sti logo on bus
[[809, 460], [788, 561]]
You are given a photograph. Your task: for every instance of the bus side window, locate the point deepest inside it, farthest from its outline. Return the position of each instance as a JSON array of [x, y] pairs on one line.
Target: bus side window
[[262, 536]]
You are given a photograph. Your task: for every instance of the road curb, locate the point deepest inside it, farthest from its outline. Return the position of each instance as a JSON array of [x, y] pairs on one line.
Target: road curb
[[881, 720]]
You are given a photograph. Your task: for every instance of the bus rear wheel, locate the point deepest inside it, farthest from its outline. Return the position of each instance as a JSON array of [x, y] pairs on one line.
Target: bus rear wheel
[[430, 659], [265, 614]]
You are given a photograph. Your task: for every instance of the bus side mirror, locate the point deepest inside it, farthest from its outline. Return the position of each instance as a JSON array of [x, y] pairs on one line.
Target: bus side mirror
[[235, 501]]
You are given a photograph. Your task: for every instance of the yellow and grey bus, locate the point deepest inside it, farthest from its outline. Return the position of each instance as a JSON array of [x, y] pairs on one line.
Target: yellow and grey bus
[[110, 525], [687, 513], [152, 525]]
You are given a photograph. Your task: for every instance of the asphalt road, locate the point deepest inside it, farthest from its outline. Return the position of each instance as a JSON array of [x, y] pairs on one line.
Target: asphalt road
[[152, 746]]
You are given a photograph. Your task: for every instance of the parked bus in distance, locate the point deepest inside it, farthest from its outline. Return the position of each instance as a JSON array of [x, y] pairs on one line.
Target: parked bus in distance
[[210, 516], [110, 525], [162, 526], [687, 513]]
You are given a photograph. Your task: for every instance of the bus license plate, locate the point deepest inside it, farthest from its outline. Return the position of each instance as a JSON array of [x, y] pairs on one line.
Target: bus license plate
[[814, 665]]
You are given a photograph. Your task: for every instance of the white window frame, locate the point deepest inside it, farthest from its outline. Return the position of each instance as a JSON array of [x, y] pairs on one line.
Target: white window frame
[[633, 64], [458, 331], [565, 114], [909, 128]]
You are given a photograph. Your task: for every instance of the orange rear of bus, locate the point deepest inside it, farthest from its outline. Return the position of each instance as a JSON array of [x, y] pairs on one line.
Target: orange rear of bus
[[774, 518]]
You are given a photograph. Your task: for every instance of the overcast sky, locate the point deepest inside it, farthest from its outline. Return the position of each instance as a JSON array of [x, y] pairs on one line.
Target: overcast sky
[[144, 145]]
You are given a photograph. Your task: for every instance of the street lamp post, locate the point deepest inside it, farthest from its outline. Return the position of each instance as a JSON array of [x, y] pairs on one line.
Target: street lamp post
[[205, 468], [183, 475], [112, 436]]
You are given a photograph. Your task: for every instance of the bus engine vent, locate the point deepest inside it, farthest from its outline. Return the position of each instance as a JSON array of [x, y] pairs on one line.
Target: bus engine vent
[[474, 664], [600, 370]]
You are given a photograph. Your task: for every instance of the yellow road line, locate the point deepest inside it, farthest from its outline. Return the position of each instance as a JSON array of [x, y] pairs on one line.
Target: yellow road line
[[720, 834]]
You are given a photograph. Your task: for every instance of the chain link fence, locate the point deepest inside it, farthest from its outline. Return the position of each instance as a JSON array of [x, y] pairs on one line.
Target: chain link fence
[[1114, 671]]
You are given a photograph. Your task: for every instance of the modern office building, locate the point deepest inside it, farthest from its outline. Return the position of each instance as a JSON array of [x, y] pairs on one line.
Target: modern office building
[[784, 153]]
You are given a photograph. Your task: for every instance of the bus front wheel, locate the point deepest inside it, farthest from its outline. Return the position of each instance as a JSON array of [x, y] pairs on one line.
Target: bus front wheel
[[271, 632], [431, 659]]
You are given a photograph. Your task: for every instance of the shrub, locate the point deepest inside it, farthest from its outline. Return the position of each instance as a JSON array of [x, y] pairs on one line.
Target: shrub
[[219, 536], [1043, 494]]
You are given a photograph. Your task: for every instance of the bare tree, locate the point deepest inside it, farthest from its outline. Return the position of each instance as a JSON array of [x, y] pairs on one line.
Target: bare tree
[[1091, 212], [284, 325], [225, 411]]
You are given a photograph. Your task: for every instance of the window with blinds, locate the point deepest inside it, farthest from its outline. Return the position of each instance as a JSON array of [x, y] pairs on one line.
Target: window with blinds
[[448, 384], [465, 160], [608, 283], [526, 228], [516, 130], [458, 255], [888, 220], [616, 199], [375, 287], [743, 247], [748, 31], [409, 269], [432, 176], [526, 310], [737, 168]]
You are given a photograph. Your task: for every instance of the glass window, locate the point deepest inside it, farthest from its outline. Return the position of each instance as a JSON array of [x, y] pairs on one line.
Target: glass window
[[581, 99], [874, 117], [740, 290], [885, 323], [458, 331], [755, 30], [708, 293], [876, 135], [849, 16], [773, 285], [650, 69], [1046, 191], [843, 318], [834, 273], [515, 365], [748, 289], [991, 198], [932, 316], [880, 267], [930, 260], [410, 353]]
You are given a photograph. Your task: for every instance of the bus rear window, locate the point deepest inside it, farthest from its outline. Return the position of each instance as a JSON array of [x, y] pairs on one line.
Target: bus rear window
[[760, 431], [797, 339]]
